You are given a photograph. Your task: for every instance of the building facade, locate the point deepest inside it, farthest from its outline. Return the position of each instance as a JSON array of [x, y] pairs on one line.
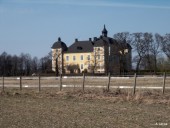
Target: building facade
[[98, 55]]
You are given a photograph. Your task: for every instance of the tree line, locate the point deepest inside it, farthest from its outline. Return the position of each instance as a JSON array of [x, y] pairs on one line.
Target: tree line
[[151, 52], [24, 64]]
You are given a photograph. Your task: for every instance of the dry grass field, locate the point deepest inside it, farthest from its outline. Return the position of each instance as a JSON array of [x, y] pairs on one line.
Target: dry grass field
[[71, 108]]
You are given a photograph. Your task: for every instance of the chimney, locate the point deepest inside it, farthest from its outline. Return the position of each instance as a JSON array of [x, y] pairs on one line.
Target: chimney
[[59, 39], [76, 40], [95, 38], [90, 39]]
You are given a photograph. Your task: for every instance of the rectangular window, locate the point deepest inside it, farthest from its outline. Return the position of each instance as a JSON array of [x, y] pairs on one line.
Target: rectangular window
[[81, 66], [67, 58], [58, 50], [74, 58], [88, 57], [89, 66], [102, 65], [98, 57], [81, 57], [98, 66]]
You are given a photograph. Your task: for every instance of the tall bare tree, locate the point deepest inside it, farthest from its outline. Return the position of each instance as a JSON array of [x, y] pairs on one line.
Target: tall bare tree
[[166, 45], [139, 47], [148, 42], [34, 65], [46, 63], [155, 49], [4, 63], [95, 60]]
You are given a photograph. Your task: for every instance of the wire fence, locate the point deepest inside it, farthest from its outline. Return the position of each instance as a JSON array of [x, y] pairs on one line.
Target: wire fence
[[83, 82]]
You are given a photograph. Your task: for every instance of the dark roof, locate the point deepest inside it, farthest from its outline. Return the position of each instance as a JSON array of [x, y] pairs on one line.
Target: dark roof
[[105, 41], [100, 42], [87, 46], [59, 44], [81, 47], [129, 46]]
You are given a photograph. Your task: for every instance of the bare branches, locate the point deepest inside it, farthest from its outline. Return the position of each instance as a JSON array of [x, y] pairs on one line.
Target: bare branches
[[123, 36], [166, 45], [23, 64]]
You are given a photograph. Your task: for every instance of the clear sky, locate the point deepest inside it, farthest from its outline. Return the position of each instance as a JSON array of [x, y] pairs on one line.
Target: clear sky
[[32, 26]]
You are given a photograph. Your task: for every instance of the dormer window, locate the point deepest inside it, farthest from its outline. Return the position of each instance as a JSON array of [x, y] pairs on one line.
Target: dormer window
[[79, 48]]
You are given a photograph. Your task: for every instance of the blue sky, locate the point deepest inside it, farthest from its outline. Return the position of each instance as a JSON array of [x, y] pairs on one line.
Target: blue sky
[[32, 26]]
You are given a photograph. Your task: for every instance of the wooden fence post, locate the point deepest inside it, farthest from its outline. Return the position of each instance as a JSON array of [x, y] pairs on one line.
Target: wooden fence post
[[61, 82], [108, 84], [39, 89], [83, 80], [3, 87], [20, 83], [164, 78], [134, 87]]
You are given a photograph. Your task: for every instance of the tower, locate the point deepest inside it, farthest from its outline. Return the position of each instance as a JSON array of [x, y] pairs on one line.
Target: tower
[[104, 32], [58, 49]]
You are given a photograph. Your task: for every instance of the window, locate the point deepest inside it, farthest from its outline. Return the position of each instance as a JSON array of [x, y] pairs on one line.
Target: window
[[81, 57], [98, 57], [81, 66], [67, 58], [89, 66], [79, 48], [109, 50], [98, 65], [74, 58], [88, 57], [101, 65], [58, 50]]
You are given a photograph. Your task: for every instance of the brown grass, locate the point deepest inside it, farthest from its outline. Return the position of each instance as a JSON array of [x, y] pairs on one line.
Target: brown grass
[[92, 108]]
